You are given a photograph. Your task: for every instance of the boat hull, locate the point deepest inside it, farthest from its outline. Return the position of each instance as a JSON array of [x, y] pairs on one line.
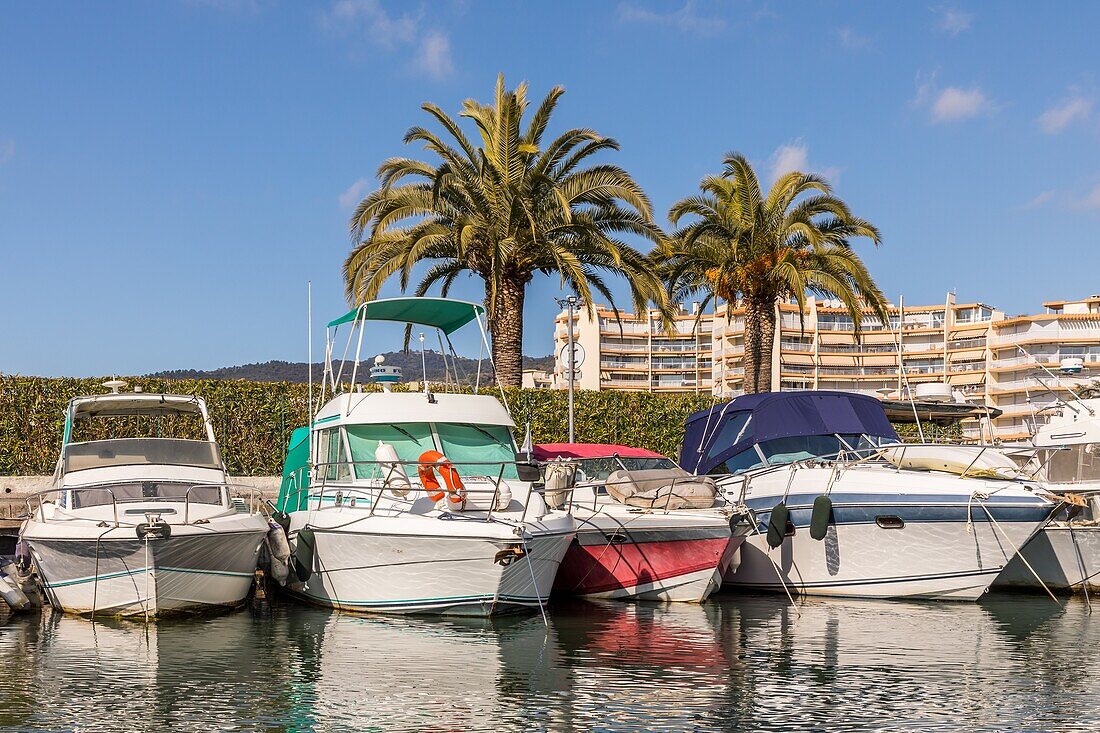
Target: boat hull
[[936, 554], [1065, 556], [467, 575], [610, 558], [118, 575]]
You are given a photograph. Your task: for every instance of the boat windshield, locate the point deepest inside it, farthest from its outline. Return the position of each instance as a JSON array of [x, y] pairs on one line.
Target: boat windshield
[[467, 445], [781, 451], [1076, 464], [138, 452], [598, 469], [146, 491]]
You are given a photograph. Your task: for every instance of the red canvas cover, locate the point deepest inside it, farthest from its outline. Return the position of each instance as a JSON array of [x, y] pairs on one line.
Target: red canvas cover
[[548, 451]]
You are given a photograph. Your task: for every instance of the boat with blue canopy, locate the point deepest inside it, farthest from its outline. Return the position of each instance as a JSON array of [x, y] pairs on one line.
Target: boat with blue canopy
[[843, 510]]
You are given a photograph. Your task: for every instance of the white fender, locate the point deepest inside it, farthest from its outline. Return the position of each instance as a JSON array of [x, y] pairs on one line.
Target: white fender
[[279, 549], [392, 470], [15, 597], [559, 481]]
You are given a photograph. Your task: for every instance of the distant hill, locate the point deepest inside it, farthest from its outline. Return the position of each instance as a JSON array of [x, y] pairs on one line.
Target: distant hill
[[286, 371]]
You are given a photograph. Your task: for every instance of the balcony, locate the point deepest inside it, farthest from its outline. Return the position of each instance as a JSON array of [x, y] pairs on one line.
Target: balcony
[[1050, 361], [858, 371], [970, 343], [1049, 333], [620, 364], [969, 366]]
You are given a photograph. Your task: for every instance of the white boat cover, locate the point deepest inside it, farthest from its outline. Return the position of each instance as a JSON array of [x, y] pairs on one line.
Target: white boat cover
[[661, 488]]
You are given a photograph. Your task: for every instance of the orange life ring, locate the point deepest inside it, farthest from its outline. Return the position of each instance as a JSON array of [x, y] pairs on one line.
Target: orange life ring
[[455, 491]]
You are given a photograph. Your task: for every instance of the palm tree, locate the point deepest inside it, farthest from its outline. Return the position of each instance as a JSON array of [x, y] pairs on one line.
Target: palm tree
[[741, 246], [504, 210]]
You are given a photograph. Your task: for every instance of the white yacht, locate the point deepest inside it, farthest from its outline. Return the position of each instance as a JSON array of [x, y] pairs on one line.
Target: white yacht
[[841, 513], [414, 502], [1064, 456], [142, 525]]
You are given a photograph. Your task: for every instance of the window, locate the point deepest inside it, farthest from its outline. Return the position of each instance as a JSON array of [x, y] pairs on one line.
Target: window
[[743, 461], [408, 439], [330, 452], [737, 427], [468, 443], [799, 448]]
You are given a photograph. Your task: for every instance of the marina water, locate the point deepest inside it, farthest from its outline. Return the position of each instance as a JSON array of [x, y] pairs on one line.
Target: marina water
[[1009, 662]]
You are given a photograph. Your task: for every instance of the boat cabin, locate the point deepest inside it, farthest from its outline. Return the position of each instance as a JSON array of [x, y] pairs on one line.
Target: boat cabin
[[129, 447], [369, 437], [782, 427]]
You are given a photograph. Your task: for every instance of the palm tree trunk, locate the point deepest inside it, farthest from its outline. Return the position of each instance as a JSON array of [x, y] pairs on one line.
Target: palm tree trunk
[[506, 328], [759, 341]]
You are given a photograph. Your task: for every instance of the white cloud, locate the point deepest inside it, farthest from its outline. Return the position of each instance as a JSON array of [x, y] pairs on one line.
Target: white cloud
[[369, 20], [953, 21], [1066, 200], [795, 156], [685, 20], [7, 150], [1061, 116], [955, 103], [354, 193], [433, 58], [1041, 199], [852, 39], [950, 104], [787, 158], [1090, 201]]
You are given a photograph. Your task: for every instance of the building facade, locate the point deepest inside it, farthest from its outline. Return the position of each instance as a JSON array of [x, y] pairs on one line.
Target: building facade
[[963, 351], [634, 351]]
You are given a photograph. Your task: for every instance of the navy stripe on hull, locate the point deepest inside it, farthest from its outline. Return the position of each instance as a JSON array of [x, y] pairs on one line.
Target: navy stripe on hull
[[852, 514]]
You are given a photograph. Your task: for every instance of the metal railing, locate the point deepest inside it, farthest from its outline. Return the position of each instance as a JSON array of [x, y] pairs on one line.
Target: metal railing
[[255, 499], [349, 486], [850, 458]]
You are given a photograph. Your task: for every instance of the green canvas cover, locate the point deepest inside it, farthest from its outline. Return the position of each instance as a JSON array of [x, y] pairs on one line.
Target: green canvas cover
[[294, 489], [443, 313]]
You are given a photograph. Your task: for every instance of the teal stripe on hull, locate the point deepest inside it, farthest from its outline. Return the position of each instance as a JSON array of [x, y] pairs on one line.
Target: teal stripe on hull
[[526, 600], [142, 571]]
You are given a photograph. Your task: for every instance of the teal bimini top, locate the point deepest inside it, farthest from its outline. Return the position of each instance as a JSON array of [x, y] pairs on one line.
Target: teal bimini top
[[443, 313]]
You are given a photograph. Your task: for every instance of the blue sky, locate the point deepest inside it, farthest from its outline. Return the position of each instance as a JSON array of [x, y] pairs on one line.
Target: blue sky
[[171, 173]]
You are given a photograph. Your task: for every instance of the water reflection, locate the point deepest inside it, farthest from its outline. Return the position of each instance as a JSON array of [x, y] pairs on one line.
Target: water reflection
[[739, 663]]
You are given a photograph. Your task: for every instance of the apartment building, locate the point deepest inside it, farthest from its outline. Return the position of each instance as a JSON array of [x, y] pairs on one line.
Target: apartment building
[[634, 351], [818, 349], [964, 351], [1065, 340]]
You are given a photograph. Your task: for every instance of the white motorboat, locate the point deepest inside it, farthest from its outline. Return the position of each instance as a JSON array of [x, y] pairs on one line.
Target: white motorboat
[[1064, 457], [414, 502], [142, 525], [835, 518], [671, 543]]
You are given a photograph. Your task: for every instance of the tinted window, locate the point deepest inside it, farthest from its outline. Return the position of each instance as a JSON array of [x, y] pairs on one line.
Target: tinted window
[[737, 427], [743, 461], [799, 448]]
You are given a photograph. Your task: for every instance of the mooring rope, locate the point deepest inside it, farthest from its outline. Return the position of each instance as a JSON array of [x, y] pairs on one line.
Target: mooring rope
[[976, 497]]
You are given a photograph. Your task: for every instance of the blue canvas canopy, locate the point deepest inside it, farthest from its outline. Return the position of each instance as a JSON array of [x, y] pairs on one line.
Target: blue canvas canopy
[[714, 435]]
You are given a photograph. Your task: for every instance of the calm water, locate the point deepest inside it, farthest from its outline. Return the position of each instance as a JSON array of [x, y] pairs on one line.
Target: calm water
[[736, 663]]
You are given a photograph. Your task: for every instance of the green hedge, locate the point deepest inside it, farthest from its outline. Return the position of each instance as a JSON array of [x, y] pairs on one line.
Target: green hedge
[[253, 420]]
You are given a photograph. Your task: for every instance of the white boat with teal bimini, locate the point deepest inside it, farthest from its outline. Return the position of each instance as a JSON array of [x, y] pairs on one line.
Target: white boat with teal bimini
[[414, 501], [143, 526]]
